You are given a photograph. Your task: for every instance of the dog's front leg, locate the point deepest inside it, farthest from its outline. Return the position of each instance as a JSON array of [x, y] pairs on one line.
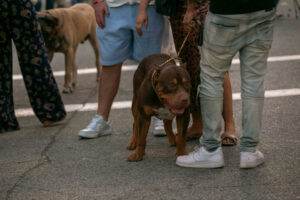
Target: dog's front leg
[[69, 61], [169, 132], [143, 127], [182, 125], [132, 143]]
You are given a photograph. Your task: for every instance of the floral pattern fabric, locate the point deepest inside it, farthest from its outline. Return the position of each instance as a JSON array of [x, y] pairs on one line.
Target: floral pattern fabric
[[18, 23], [190, 53]]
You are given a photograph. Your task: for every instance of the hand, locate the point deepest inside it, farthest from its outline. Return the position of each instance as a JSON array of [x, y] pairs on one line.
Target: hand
[[189, 15], [101, 9], [141, 19]]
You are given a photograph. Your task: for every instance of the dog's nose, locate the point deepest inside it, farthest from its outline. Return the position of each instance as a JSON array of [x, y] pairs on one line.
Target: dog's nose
[[184, 100]]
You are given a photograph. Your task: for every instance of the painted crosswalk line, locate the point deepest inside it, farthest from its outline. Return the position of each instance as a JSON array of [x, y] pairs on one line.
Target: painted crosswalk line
[[26, 112]]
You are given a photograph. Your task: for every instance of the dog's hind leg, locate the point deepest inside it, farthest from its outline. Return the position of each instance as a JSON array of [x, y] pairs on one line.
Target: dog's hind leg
[[69, 62], [143, 127], [169, 132], [93, 40], [74, 70], [182, 125]]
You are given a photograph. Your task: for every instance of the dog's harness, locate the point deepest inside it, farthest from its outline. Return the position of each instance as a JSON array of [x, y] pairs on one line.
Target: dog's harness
[[155, 73]]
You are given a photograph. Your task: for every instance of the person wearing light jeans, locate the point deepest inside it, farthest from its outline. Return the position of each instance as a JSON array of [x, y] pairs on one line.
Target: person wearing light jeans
[[244, 27]]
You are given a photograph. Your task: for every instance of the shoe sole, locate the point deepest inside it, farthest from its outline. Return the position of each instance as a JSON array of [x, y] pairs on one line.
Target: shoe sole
[[159, 133], [251, 165], [201, 165], [95, 135]]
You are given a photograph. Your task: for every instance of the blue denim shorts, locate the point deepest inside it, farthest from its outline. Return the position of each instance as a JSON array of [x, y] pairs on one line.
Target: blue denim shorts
[[119, 40]]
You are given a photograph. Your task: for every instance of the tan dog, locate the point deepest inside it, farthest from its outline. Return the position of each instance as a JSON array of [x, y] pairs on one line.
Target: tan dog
[[63, 30]]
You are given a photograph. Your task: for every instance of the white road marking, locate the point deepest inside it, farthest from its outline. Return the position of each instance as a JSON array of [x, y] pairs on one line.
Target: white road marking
[[26, 112], [134, 67]]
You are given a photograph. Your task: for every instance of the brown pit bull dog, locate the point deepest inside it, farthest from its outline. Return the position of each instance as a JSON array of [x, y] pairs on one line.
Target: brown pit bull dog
[[63, 30], [163, 90]]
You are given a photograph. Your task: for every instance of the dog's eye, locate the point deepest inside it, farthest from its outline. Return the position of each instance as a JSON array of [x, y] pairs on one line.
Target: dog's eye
[[172, 86], [187, 85]]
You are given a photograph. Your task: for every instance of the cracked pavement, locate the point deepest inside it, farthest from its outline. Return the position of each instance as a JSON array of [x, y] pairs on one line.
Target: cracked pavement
[[52, 163]]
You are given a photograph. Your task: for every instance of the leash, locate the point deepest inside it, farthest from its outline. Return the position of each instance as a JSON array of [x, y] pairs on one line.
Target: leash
[[155, 73], [178, 54]]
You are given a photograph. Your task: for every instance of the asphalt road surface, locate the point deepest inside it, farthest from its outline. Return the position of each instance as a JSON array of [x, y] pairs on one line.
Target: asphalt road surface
[[52, 163]]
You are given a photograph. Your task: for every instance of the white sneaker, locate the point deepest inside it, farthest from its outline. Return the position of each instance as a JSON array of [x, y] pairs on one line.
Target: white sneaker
[[98, 127], [251, 159], [158, 129], [201, 158]]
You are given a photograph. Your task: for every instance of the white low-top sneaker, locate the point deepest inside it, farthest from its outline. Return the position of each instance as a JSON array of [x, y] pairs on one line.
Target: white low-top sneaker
[[98, 127], [158, 128], [251, 159], [201, 158]]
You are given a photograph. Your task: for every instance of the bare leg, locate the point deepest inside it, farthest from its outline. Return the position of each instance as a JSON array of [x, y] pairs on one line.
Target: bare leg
[[108, 88], [229, 132], [195, 130]]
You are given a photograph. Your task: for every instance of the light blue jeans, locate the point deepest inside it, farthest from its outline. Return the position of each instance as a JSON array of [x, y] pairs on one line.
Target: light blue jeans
[[224, 35]]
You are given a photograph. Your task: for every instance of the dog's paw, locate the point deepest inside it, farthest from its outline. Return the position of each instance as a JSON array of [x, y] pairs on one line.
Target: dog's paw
[[131, 146], [135, 156], [172, 141], [173, 144], [67, 90]]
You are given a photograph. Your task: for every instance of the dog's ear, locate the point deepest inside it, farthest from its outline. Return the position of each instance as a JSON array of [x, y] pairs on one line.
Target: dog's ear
[[47, 18], [184, 66]]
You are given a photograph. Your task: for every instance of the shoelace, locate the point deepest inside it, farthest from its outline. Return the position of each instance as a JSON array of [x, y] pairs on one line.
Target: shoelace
[[94, 123]]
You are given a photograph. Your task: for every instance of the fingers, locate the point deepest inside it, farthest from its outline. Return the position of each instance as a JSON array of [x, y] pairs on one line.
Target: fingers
[[101, 10], [138, 27], [106, 11]]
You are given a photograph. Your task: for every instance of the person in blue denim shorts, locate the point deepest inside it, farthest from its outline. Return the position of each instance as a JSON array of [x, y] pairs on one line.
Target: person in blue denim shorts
[[118, 41], [244, 27]]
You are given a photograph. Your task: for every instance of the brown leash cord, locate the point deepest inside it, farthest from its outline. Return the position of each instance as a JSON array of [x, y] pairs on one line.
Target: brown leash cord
[[155, 75], [178, 54]]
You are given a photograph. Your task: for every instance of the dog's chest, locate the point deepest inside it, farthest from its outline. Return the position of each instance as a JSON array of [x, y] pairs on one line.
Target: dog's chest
[[163, 113]]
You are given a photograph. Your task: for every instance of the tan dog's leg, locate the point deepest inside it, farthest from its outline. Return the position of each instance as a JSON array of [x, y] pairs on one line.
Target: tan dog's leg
[[74, 70], [143, 127], [182, 124], [69, 62], [94, 43], [169, 132]]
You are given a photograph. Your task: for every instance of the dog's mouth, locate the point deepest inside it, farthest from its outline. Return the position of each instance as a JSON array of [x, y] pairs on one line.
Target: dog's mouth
[[175, 111]]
